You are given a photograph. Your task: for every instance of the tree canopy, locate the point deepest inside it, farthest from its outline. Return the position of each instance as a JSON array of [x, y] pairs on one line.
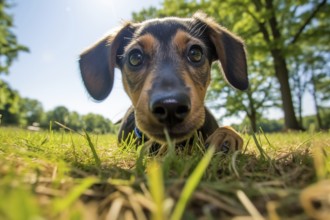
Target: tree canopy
[[9, 46]]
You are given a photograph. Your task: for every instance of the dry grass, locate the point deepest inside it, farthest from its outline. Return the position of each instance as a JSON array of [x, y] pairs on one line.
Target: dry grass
[[65, 175]]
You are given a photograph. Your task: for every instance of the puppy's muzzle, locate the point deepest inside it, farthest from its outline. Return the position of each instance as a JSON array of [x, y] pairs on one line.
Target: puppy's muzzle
[[170, 108]]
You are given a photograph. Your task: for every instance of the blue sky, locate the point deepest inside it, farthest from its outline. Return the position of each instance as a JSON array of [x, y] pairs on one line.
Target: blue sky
[[56, 33]]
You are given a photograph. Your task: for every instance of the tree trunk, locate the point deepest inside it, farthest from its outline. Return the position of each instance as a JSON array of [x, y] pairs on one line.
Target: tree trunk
[[300, 97], [316, 105], [253, 121], [282, 74], [280, 66], [318, 115], [298, 91], [252, 112]]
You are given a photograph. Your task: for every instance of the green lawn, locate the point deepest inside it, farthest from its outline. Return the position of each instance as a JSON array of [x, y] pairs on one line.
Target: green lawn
[[66, 175]]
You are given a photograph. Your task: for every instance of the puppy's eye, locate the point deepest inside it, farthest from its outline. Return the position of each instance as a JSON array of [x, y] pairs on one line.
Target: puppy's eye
[[195, 54], [135, 57]]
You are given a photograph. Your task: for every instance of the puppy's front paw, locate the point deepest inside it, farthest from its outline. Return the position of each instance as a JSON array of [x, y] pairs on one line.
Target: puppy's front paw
[[225, 139]]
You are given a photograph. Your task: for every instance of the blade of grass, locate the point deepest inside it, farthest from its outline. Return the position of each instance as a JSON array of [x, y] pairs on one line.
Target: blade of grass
[[156, 183], [261, 151], [191, 184], [249, 206], [170, 143], [233, 164], [265, 136], [170, 156], [62, 204], [263, 154], [319, 163], [67, 128], [92, 147], [140, 161]]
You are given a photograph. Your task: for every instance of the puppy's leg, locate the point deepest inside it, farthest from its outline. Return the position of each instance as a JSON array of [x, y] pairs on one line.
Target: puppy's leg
[[127, 126], [225, 139]]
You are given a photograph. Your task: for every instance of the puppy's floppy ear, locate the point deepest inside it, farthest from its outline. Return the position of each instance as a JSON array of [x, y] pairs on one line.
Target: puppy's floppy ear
[[230, 51], [97, 63]]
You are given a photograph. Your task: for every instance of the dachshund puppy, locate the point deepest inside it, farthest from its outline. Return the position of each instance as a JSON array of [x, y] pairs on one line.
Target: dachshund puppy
[[165, 65]]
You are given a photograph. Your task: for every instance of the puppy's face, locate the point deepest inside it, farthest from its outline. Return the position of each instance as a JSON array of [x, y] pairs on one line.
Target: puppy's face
[[166, 71], [165, 65]]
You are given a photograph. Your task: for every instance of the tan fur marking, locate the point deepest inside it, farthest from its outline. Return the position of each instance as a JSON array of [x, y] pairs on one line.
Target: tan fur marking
[[181, 40], [148, 43], [197, 95]]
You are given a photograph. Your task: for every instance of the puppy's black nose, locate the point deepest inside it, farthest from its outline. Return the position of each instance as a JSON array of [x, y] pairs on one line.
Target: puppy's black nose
[[170, 109]]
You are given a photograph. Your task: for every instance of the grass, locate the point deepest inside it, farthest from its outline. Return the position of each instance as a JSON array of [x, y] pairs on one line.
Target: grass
[[66, 175]]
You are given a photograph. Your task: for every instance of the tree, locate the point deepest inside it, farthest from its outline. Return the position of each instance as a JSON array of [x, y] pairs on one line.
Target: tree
[[267, 15], [311, 73], [15, 110], [75, 121], [9, 47], [32, 110], [59, 114], [273, 29], [97, 123], [260, 96], [9, 105], [299, 82], [319, 86]]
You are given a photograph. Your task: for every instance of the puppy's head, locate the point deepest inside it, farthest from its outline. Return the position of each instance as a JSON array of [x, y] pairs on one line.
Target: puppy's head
[[165, 65]]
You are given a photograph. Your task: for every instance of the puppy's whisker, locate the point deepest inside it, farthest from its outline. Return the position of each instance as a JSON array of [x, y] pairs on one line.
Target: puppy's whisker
[[198, 30]]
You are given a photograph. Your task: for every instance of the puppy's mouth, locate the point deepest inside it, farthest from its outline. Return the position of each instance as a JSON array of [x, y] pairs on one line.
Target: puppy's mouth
[[178, 133], [177, 136]]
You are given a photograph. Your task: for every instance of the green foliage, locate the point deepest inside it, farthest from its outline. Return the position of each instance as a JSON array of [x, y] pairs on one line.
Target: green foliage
[[23, 112], [9, 47], [32, 110], [10, 102], [267, 125], [309, 121], [91, 122], [261, 95], [310, 74], [97, 123], [59, 114]]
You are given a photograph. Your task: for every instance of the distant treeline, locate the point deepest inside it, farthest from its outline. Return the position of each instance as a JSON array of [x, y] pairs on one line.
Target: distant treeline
[[23, 112], [309, 122]]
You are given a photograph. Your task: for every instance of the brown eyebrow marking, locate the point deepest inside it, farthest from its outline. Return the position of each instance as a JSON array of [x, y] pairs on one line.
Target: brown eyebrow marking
[[181, 39], [148, 43]]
